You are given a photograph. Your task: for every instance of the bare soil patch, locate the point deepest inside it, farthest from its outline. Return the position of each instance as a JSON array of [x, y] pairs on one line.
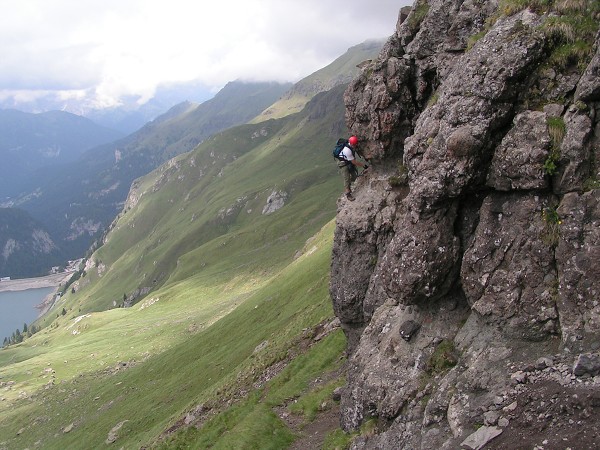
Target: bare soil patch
[[312, 436]]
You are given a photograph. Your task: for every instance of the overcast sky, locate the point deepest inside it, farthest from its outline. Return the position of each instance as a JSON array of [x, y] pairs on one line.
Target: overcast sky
[[105, 49]]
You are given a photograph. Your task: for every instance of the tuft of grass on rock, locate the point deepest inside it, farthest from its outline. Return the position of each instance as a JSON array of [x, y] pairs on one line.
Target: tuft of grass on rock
[[444, 357]]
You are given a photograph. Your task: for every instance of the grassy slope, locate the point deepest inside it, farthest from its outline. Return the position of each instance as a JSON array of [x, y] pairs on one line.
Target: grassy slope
[[201, 214], [342, 70], [224, 280], [175, 360]]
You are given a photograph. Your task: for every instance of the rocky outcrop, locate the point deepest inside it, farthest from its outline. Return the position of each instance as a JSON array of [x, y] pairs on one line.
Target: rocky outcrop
[[275, 201], [453, 285]]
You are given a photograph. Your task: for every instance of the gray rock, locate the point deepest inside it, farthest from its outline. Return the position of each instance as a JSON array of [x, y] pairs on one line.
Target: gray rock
[[337, 394], [519, 377], [554, 109], [577, 255], [491, 417], [511, 407], [575, 151], [587, 363], [492, 256], [275, 201], [588, 88], [499, 294], [113, 434], [481, 437], [543, 362], [518, 162], [503, 422]]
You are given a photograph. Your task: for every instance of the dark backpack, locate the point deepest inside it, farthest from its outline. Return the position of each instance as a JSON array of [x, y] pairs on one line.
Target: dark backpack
[[339, 146]]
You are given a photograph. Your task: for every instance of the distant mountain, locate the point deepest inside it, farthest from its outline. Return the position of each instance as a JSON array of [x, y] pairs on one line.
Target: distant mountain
[[32, 141], [26, 248], [130, 116], [78, 200], [340, 71]]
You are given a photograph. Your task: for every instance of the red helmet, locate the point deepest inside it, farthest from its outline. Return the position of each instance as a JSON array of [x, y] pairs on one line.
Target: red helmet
[[353, 140]]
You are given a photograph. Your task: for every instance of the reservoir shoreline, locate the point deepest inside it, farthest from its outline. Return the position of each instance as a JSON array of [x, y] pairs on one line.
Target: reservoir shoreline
[[24, 284], [33, 283]]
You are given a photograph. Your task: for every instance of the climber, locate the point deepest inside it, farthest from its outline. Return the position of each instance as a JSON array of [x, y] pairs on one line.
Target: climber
[[345, 152]]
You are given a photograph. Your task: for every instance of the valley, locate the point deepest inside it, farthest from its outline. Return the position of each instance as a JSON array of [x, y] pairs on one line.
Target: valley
[[236, 299], [204, 303]]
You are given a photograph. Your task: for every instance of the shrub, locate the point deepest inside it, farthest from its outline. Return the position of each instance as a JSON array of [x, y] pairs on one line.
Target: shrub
[[510, 7], [571, 33], [591, 184]]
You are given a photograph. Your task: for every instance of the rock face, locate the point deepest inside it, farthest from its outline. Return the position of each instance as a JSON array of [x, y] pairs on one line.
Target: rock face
[[456, 288]]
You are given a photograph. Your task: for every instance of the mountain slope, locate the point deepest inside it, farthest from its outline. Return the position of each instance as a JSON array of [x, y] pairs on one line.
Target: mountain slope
[[79, 200], [25, 246], [223, 254], [33, 141], [183, 209], [341, 71]]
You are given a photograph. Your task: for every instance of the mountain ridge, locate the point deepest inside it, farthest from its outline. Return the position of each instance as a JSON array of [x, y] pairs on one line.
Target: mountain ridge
[[30, 142], [76, 201], [340, 71]]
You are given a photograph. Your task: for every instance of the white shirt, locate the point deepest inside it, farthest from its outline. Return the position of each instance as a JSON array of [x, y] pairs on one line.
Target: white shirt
[[346, 153]]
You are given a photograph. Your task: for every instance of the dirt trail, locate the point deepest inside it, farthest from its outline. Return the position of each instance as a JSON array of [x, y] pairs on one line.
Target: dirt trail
[[312, 436]]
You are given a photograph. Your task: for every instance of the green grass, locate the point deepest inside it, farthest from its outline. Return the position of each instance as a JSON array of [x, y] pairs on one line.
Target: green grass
[[222, 279], [443, 358], [171, 367], [252, 423], [556, 130], [316, 401], [510, 7], [338, 440]]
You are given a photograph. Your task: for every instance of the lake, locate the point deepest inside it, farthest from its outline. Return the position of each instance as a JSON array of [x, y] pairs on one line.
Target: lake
[[18, 308]]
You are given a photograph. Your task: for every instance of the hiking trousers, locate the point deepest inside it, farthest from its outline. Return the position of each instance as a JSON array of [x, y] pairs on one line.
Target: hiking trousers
[[349, 173]]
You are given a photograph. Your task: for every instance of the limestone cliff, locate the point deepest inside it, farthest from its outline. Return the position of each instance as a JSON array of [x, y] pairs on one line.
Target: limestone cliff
[[466, 273]]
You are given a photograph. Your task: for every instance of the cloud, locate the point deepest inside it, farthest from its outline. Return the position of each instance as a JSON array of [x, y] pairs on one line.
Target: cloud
[[111, 49]]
